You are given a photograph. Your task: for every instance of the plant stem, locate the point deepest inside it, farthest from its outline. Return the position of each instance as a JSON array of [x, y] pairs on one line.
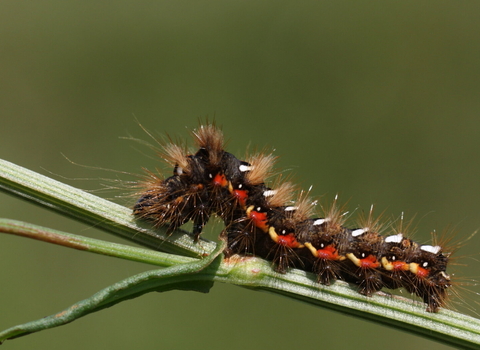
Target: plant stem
[[446, 326], [93, 210]]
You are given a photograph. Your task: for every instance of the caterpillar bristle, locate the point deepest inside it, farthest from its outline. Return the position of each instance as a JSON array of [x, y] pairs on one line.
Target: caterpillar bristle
[[176, 156], [210, 138], [266, 220], [282, 194], [397, 251], [260, 168], [304, 207], [369, 223]]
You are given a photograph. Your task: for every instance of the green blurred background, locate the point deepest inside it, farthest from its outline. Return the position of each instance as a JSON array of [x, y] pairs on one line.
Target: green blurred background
[[377, 101]]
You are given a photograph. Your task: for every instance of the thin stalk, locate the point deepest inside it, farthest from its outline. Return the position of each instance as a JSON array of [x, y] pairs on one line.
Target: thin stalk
[[93, 210], [446, 326]]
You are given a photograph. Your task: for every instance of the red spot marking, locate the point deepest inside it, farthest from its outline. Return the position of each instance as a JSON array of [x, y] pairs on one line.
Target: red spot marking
[[328, 253], [400, 265], [241, 196], [288, 241], [220, 180], [259, 220], [422, 273], [370, 262]]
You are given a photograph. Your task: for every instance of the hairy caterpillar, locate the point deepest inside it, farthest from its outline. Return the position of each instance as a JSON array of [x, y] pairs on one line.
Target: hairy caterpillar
[[268, 223]]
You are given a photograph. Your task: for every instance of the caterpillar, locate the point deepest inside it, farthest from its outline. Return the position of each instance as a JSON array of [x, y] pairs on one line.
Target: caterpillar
[[268, 222]]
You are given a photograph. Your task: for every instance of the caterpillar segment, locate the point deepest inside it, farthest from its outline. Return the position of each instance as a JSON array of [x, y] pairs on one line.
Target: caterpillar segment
[[266, 222]]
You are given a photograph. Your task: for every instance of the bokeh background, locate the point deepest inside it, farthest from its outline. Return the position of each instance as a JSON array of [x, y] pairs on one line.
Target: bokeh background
[[377, 101]]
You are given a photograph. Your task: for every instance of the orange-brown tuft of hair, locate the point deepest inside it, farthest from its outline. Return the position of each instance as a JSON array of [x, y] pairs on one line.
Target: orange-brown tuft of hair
[[335, 215], [151, 185], [261, 167], [370, 223], [210, 138], [282, 194], [304, 207], [176, 156]]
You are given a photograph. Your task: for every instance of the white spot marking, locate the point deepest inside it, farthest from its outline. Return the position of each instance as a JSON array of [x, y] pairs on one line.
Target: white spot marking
[[359, 232], [244, 168], [319, 222], [269, 193], [431, 249], [394, 238]]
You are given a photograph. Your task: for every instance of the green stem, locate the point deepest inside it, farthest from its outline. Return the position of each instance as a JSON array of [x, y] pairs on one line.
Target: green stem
[[446, 326], [170, 278], [401, 313], [91, 244], [94, 210]]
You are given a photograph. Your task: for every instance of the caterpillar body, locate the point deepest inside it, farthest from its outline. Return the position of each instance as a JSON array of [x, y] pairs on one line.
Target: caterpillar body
[[266, 222]]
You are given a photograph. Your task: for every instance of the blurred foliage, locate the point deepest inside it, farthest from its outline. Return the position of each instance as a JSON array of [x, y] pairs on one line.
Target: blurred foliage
[[376, 101]]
